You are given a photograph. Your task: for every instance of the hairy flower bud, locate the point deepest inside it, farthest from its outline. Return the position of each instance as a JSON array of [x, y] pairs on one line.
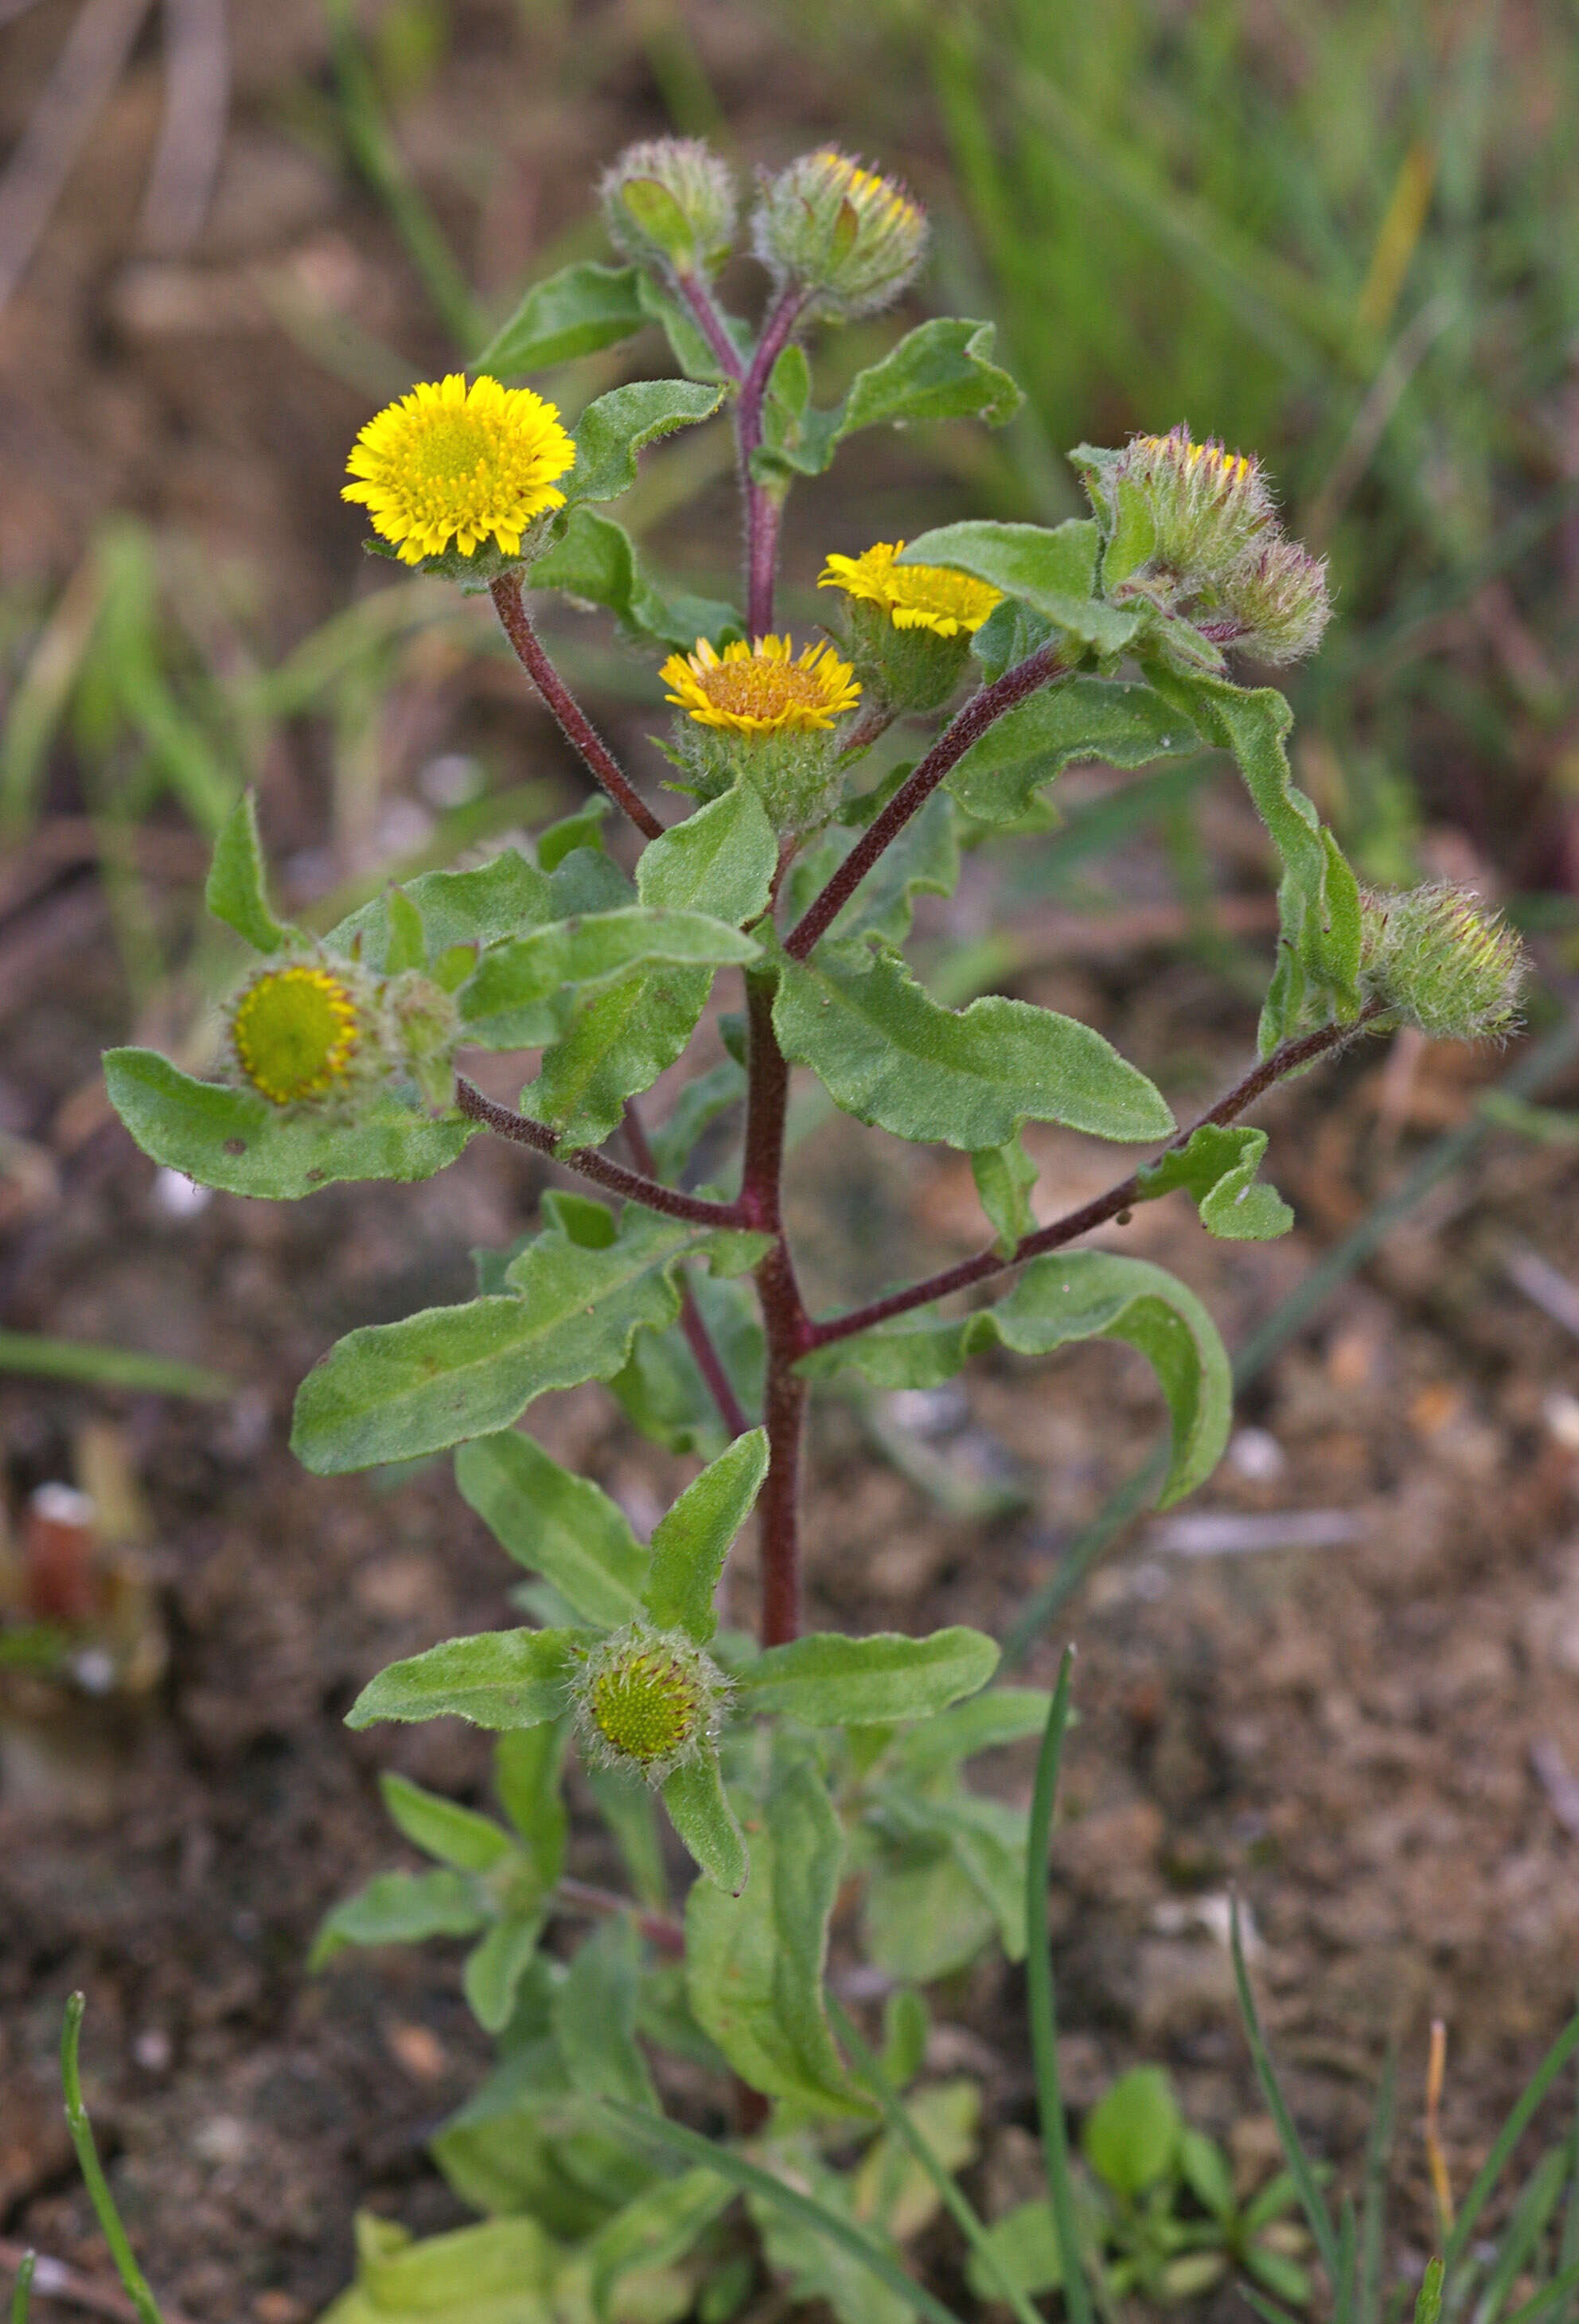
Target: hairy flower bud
[[1279, 599], [1208, 506], [304, 1030], [1441, 963], [423, 1023], [647, 1700], [670, 200], [855, 239]]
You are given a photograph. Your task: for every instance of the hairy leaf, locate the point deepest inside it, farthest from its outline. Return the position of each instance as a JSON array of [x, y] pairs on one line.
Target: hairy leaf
[[890, 1055], [613, 429], [1002, 1714], [495, 1967], [235, 892], [1065, 1296], [595, 562], [237, 1140], [942, 370], [1218, 1167], [828, 1680], [555, 1524], [499, 1679], [699, 1810], [618, 1041], [589, 953], [691, 1540], [1118, 722], [572, 313], [392, 1391], [924, 860], [1053, 572], [719, 860], [499, 899], [399, 1908], [441, 1828], [593, 2017], [661, 1390], [921, 1917], [1004, 1176]]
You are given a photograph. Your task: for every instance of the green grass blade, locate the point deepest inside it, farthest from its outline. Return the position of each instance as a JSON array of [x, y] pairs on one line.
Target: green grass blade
[[1267, 2309], [689, 2146], [1507, 2138], [1524, 2231], [1373, 2198], [1039, 1978], [1294, 2154], [100, 1367], [1551, 2296], [960, 2209], [23, 2287], [1568, 2250], [87, 2162]]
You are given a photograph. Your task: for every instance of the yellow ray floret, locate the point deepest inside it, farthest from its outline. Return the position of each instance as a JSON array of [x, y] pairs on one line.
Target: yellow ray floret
[[758, 690], [872, 197], [913, 596], [450, 461], [296, 1031]]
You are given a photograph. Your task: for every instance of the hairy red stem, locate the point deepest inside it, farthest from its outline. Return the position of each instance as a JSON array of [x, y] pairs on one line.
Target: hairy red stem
[[710, 322], [979, 713], [573, 722], [764, 506], [590, 1164], [1096, 1214]]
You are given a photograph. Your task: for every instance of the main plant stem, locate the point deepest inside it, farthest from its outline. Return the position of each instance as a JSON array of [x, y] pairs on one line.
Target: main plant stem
[[786, 1326]]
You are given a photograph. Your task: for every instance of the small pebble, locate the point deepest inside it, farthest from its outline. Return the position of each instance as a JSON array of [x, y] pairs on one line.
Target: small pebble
[[1256, 1454], [178, 1196]]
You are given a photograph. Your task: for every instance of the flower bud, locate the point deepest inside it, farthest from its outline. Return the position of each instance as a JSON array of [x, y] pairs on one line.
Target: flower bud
[[670, 201], [1441, 963], [1208, 506], [647, 1700], [1278, 598], [423, 1022], [907, 628], [853, 238], [757, 714], [304, 1030]]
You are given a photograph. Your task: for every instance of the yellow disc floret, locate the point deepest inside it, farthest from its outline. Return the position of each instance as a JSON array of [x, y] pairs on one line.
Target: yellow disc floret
[[759, 689], [913, 596], [647, 1700], [296, 1031], [450, 462]]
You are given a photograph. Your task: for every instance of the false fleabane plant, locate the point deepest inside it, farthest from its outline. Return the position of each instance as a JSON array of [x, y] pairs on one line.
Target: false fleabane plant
[[788, 1764]]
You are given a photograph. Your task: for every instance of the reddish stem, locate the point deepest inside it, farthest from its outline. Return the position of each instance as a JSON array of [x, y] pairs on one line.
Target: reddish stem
[[1096, 1214], [660, 1929], [710, 322], [973, 721], [590, 1164], [573, 722], [764, 506]]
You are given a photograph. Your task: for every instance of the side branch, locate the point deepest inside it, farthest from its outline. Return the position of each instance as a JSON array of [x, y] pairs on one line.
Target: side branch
[[573, 722], [590, 1164], [979, 713], [710, 323], [1097, 1213]]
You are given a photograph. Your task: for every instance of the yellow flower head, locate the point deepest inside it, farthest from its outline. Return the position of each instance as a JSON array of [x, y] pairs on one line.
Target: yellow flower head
[[757, 689], [647, 1700], [450, 461], [913, 596], [296, 1031]]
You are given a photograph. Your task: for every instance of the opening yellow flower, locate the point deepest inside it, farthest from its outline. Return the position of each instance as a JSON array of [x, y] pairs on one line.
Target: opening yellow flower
[[296, 1031], [913, 596], [758, 690], [450, 461]]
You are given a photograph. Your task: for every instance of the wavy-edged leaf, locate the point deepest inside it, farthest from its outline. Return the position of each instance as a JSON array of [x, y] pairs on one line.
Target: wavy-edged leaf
[[887, 1053], [393, 1391], [754, 1962], [719, 860], [827, 1680], [589, 951], [235, 892], [921, 1917], [1004, 1176], [613, 429], [692, 1539], [924, 860], [498, 1679], [699, 1810], [399, 1908], [572, 313], [1118, 722], [1063, 1297], [441, 1828], [595, 562], [499, 899], [561, 1526], [942, 370], [1053, 571], [616, 1044], [236, 1140], [1218, 1168]]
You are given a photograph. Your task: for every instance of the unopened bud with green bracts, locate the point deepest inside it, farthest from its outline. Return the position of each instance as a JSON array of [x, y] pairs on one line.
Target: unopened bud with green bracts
[[1440, 962], [1208, 507], [854, 239], [670, 201], [1278, 603], [648, 1701], [424, 1025]]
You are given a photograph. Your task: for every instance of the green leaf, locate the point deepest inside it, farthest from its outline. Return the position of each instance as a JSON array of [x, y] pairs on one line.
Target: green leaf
[[236, 1140], [407, 944], [942, 370], [499, 2272], [500, 1678], [572, 313], [829, 1680], [440, 1828], [626, 1803], [661, 1390], [1053, 572], [1204, 2169], [1118, 722], [595, 562], [1130, 2136], [1218, 1167], [394, 1391], [235, 892], [480, 908], [1004, 1176], [1081, 1295], [494, 1967], [923, 860], [887, 1053], [653, 2231], [611, 431], [699, 1810], [695, 1111], [1025, 2245], [589, 953], [921, 1917], [593, 2017], [582, 828], [810, 2259], [985, 1838], [754, 1962], [618, 1043], [555, 1524], [527, 1767], [891, 2186], [1002, 1714], [719, 860], [399, 1908], [691, 1540]]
